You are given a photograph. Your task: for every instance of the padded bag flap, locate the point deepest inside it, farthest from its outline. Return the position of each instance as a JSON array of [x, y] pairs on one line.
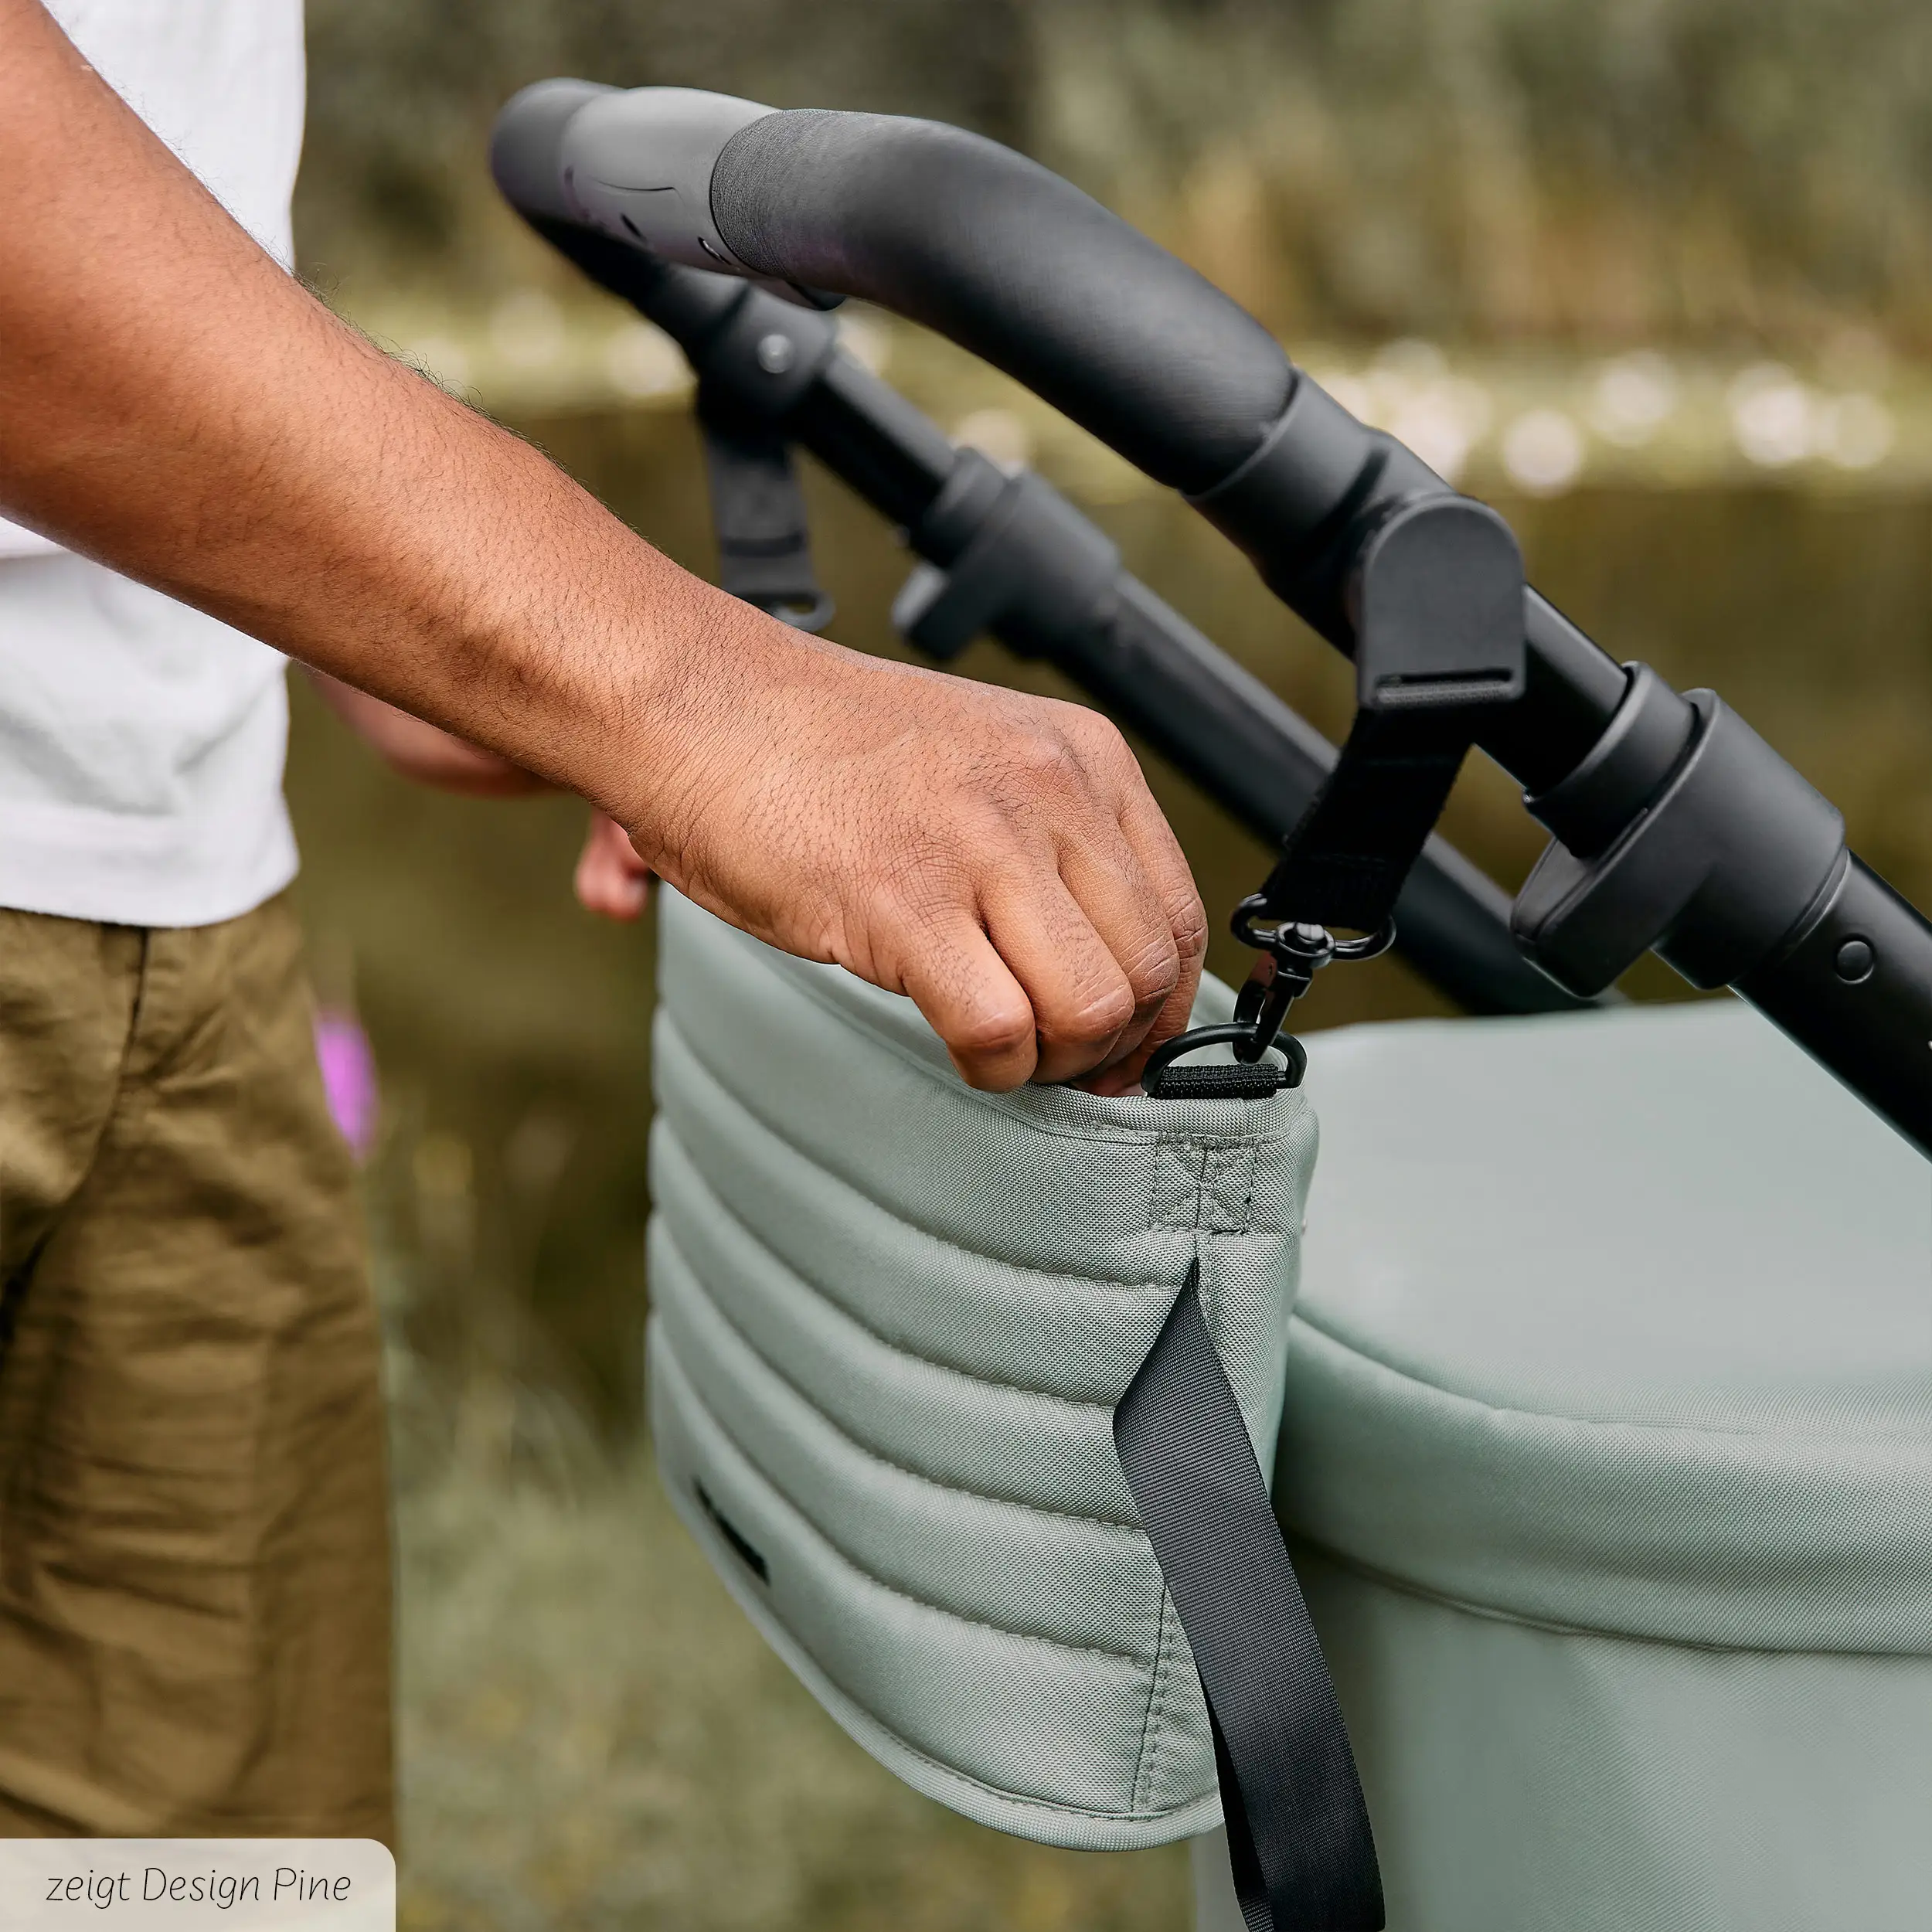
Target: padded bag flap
[[891, 1319]]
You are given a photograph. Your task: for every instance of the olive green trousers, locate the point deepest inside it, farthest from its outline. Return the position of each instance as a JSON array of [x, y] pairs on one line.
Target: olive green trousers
[[194, 1543]]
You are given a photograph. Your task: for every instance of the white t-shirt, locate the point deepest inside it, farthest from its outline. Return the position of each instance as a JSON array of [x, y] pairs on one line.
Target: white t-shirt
[[141, 742]]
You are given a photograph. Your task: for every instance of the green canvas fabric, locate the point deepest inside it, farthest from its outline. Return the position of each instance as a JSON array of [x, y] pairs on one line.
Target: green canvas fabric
[[1607, 1458], [891, 1317]]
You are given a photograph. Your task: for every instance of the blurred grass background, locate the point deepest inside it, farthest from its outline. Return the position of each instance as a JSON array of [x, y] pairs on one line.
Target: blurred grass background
[[1653, 274], [1598, 171]]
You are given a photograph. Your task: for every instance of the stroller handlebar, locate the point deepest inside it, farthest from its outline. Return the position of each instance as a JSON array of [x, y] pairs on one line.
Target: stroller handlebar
[[526, 147], [953, 231], [939, 226], [1007, 259]]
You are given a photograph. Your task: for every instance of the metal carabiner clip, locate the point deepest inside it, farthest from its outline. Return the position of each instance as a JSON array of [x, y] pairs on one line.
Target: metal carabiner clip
[[1291, 954]]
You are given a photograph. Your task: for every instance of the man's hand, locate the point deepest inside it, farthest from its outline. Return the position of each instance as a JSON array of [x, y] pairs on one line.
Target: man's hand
[[995, 856], [901, 939], [998, 857], [173, 404], [611, 880]]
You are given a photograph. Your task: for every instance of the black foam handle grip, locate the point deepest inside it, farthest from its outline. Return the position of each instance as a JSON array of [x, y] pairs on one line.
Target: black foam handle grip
[[1016, 265]]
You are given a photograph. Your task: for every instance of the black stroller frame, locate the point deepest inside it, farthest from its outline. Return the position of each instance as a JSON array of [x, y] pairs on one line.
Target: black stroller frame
[[1674, 827]]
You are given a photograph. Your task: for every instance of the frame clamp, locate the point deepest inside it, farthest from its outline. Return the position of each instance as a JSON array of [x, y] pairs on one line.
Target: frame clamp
[[1682, 830]]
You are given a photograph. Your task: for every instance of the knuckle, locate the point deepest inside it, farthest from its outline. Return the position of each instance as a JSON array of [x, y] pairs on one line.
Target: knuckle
[[1048, 761], [1103, 741], [1190, 927], [1092, 1020], [992, 1033], [1084, 724], [1154, 972]]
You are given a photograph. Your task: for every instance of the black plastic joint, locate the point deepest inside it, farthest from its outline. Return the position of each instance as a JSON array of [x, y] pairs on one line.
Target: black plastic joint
[[1312, 501], [767, 355], [1033, 566], [1306, 469], [976, 490], [1436, 599], [1650, 731], [1721, 873]]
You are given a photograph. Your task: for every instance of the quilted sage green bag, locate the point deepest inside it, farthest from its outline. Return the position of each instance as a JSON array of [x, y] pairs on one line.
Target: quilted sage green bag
[[892, 1318]]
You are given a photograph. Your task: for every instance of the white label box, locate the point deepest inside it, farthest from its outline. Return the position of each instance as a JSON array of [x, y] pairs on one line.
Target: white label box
[[195, 1885]]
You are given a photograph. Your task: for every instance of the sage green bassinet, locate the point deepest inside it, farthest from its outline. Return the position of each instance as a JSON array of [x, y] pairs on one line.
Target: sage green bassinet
[[1608, 1462]]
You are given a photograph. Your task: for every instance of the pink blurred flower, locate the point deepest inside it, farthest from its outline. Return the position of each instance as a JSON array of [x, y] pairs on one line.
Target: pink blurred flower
[[348, 1077]]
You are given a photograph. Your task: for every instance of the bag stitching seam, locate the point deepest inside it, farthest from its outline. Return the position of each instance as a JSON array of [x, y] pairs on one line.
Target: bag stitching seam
[[1055, 1275], [1139, 1664], [892, 1348], [1635, 1425], [865, 1450], [1556, 1627], [1153, 1701], [1153, 1729]]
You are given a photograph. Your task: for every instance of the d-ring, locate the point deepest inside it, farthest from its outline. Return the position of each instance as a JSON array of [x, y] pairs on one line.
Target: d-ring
[[1244, 1079]]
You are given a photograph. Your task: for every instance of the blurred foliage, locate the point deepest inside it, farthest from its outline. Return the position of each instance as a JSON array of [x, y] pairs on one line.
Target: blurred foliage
[[1594, 170], [402, 94], [594, 1740]]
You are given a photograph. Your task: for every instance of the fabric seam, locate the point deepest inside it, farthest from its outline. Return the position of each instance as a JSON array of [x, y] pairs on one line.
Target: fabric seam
[[709, 1539], [996, 1791], [1494, 1613], [891, 1348], [865, 1450], [1506, 1411], [1290, 1234], [1138, 1664], [1155, 1723], [1027, 1268]]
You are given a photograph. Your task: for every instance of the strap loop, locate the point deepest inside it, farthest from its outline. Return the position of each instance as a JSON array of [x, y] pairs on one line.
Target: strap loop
[[1246, 1079], [764, 544], [1343, 864]]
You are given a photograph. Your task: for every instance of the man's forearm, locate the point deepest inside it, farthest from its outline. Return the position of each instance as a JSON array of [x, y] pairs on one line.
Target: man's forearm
[[174, 404], [425, 753]]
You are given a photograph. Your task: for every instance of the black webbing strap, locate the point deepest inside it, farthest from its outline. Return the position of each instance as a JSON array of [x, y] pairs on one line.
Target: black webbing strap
[[1343, 864], [764, 545], [1303, 1857], [1436, 598], [1344, 861]]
